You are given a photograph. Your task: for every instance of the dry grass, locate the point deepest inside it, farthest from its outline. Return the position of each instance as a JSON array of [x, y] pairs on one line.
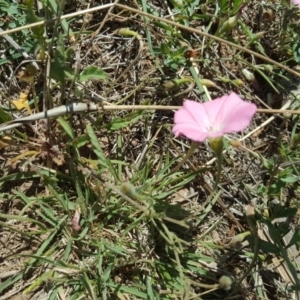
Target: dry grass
[[172, 236]]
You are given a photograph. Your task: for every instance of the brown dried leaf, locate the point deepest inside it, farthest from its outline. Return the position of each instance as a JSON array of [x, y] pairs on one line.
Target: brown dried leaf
[[58, 158], [76, 219], [6, 141], [28, 74]]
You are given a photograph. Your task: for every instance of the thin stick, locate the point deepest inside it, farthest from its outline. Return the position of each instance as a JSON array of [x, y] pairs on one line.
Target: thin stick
[[218, 39], [190, 29], [78, 13], [86, 108], [162, 107], [278, 111]]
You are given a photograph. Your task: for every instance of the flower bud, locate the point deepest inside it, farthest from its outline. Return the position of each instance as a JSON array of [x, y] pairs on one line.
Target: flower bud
[[225, 283], [203, 8], [238, 239], [228, 25], [268, 68], [250, 214], [248, 75], [168, 85], [258, 35], [238, 82], [126, 32], [235, 143], [265, 67], [233, 21], [128, 189], [171, 84], [207, 83], [41, 55]]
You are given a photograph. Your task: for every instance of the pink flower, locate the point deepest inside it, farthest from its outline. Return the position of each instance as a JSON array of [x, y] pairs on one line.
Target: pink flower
[[296, 2], [199, 121]]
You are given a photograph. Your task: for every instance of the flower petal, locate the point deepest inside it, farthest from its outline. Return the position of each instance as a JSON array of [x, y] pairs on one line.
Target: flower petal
[[190, 131], [296, 2], [191, 121], [193, 112], [234, 113]]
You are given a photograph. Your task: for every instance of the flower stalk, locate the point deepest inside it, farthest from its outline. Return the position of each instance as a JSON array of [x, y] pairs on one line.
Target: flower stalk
[[192, 149], [217, 145]]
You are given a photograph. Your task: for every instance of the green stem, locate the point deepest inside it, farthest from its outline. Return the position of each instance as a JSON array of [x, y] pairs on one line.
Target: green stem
[[254, 230], [192, 149], [219, 164], [217, 144]]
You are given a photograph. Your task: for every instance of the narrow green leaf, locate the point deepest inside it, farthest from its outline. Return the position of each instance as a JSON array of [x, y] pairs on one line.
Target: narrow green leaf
[[20, 176], [66, 126], [55, 9], [4, 116], [14, 229], [107, 273], [9, 282], [164, 26], [116, 249], [43, 247], [98, 151], [31, 17], [127, 289], [96, 147], [92, 73], [266, 78], [24, 219], [88, 285], [38, 281], [149, 289], [119, 123], [295, 239], [80, 141], [198, 83], [264, 246], [290, 179], [285, 212]]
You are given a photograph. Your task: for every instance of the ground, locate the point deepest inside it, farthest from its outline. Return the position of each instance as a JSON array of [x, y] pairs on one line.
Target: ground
[[95, 204]]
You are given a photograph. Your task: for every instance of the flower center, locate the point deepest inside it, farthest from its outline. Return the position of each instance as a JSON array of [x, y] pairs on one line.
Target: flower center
[[214, 128]]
